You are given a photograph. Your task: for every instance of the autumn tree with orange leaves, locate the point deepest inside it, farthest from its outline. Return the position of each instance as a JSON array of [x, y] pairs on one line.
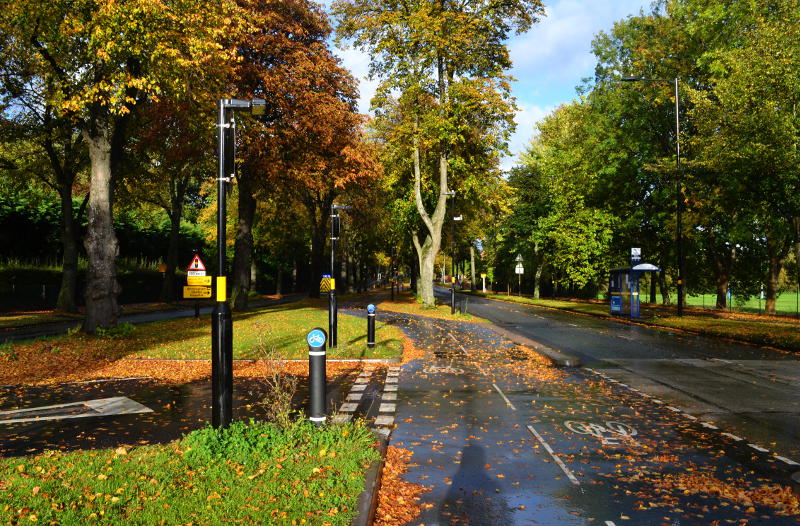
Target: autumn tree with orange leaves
[[309, 141]]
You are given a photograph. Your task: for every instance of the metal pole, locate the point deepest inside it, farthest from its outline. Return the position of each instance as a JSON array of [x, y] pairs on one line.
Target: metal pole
[[678, 197], [317, 375], [370, 326], [221, 322], [332, 310], [453, 255]]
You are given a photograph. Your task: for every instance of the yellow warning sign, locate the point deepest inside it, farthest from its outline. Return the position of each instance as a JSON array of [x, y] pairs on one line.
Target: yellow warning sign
[[327, 284], [200, 281], [192, 292]]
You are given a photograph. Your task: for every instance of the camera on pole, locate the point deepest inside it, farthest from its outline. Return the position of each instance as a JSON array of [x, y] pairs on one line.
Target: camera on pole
[[316, 339]]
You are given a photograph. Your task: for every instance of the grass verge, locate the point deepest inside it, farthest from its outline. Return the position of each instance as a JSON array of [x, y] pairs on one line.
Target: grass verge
[[274, 332], [251, 473], [783, 334]]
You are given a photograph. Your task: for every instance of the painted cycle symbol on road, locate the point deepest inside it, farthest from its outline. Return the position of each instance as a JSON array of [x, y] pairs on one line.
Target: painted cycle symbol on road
[[447, 369], [610, 434]]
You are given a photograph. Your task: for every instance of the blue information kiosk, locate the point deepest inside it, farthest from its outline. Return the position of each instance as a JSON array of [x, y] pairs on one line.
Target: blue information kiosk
[[623, 289]]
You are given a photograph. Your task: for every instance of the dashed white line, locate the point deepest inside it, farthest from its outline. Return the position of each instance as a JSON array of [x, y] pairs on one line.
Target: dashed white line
[[710, 426], [690, 417], [758, 448], [787, 460], [354, 397], [389, 396], [610, 523], [391, 380], [508, 402], [358, 387], [561, 464], [390, 388], [738, 439], [384, 420], [673, 409], [387, 408], [348, 408]]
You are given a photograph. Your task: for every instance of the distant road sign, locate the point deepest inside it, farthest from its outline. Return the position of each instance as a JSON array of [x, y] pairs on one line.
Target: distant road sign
[[201, 281], [195, 272], [519, 269], [193, 292], [196, 264]]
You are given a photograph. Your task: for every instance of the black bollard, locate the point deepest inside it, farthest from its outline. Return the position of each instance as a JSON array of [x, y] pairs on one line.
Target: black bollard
[[316, 374], [370, 326], [453, 299]]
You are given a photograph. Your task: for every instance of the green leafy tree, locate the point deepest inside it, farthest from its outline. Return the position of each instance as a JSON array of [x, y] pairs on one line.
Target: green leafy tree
[[446, 60], [98, 61]]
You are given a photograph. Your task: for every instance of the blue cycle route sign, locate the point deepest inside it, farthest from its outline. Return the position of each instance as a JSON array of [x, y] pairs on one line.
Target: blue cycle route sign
[[316, 338]]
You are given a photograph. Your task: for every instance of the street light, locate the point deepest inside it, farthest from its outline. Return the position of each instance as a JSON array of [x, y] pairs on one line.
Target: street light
[[452, 193], [678, 203], [333, 312], [221, 321]]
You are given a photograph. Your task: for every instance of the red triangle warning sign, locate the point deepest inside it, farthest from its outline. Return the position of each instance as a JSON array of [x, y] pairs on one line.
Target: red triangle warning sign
[[196, 263]]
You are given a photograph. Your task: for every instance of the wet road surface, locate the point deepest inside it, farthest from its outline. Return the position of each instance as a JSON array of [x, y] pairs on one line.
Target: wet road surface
[[747, 390], [502, 440]]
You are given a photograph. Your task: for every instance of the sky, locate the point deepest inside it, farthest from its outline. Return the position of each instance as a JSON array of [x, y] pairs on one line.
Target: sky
[[549, 60]]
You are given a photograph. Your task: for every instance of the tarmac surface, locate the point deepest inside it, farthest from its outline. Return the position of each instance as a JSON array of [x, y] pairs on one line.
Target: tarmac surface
[[501, 440]]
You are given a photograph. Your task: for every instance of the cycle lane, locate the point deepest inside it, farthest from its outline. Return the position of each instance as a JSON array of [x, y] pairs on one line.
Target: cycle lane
[[502, 441]]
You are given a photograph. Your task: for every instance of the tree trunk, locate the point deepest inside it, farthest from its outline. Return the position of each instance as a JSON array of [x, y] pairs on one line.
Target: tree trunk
[[69, 242], [279, 282], [425, 255], [775, 260], [723, 263], [169, 286], [662, 284], [243, 246], [471, 267], [102, 248]]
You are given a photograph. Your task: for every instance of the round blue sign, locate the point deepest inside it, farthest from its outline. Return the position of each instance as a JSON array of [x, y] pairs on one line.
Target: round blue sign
[[316, 338], [370, 308]]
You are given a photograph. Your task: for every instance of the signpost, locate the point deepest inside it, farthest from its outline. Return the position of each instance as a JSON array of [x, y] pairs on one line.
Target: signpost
[[636, 256], [520, 270], [483, 277], [198, 284]]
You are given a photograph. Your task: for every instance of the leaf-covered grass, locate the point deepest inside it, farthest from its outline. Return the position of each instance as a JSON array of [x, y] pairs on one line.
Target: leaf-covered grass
[[784, 334], [276, 331], [25, 319], [407, 303], [252, 473]]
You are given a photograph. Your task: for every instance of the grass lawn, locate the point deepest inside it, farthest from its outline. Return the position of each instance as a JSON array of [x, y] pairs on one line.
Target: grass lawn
[[277, 331], [786, 303], [23, 319], [784, 334], [252, 474]]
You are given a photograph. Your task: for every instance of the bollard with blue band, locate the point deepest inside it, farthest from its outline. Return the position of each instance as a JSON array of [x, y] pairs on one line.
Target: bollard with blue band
[[370, 325], [316, 339]]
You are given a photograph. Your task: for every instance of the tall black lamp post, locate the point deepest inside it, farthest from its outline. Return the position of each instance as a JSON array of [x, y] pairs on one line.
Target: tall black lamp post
[[678, 193], [221, 321], [333, 312]]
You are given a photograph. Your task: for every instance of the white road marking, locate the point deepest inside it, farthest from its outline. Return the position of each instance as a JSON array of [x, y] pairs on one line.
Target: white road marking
[[787, 460], [389, 396], [391, 380], [710, 426], [384, 420], [733, 437], [390, 389], [504, 396], [358, 387], [610, 523], [119, 405], [758, 448], [103, 380], [690, 417], [561, 464], [348, 408], [355, 397], [387, 408], [361, 380], [673, 409]]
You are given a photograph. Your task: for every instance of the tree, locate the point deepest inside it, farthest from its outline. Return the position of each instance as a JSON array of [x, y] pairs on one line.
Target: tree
[[446, 60], [309, 140], [101, 59], [46, 145]]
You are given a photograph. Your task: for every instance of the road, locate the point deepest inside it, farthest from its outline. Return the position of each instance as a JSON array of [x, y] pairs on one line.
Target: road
[[748, 391]]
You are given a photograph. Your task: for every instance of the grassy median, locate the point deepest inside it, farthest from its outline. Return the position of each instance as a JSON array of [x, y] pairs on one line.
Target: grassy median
[[252, 473]]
